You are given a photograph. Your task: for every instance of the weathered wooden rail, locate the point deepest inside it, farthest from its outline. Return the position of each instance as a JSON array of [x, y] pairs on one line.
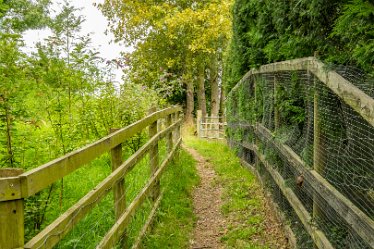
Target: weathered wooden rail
[[360, 102], [16, 185]]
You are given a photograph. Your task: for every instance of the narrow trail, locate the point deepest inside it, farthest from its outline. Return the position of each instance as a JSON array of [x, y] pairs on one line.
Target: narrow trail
[[210, 223]]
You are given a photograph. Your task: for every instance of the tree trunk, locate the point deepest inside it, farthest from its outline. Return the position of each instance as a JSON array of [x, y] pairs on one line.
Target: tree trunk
[[201, 90], [8, 136], [222, 104], [213, 68], [189, 103]]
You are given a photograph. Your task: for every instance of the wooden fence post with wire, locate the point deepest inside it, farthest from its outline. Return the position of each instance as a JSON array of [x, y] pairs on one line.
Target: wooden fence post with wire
[[16, 185]]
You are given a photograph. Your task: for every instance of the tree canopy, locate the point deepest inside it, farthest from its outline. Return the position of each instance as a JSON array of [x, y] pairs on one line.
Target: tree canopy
[[172, 40]]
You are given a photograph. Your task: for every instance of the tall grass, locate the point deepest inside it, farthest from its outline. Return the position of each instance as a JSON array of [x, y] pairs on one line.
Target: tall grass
[[174, 220]]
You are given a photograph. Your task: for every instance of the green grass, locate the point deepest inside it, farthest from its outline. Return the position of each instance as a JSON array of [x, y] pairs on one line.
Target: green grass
[[76, 185], [243, 203], [174, 221], [175, 218], [173, 225]]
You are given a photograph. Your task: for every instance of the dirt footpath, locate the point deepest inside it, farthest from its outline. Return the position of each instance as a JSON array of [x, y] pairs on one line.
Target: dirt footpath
[[210, 224]]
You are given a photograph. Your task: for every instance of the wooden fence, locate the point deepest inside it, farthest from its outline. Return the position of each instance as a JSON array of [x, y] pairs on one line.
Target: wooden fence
[[210, 127], [253, 139], [16, 185]]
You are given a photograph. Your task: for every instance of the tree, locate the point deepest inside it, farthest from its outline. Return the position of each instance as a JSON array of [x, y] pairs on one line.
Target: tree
[[21, 15], [201, 99], [11, 78], [214, 86], [15, 17], [173, 36], [57, 99]]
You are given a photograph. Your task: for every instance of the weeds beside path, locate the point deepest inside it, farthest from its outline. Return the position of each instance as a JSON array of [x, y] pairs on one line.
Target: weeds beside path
[[236, 214]]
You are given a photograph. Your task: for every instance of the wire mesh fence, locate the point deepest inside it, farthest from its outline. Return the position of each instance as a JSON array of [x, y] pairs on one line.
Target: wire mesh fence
[[304, 136]]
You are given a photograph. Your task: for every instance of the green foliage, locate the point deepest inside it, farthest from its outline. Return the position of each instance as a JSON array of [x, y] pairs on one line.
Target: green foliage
[[290, 102], [266, 31], [57, 100], [171, 40], [12, 92], [355, 28], [20, 15]]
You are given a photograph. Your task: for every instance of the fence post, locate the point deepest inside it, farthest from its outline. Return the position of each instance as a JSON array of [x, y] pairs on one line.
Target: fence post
[[256, 139], [169, 141], [173, 133], [12, 229], [119, 194], [178, 135], [198, 123], [318, 157], [153, 156], [119, 188]]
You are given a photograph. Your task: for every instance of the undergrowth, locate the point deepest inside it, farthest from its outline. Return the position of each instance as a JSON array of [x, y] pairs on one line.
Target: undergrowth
[[243, 201]]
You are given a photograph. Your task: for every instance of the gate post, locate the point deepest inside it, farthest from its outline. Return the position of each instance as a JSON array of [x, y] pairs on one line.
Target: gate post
[[198, 123], [12, 229]]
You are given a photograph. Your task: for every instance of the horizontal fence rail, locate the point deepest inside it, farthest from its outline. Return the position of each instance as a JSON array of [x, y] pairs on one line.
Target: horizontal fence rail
[[308, 131], [15, 186]]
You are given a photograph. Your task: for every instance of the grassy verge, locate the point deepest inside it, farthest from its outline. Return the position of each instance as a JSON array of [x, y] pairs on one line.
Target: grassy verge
[[243, 201], [174, 221]]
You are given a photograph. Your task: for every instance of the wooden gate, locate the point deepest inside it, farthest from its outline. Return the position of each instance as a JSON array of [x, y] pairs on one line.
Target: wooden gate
[[211, 127]]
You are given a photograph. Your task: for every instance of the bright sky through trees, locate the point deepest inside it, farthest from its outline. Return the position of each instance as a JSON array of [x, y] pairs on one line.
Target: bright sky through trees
[[95, 24]]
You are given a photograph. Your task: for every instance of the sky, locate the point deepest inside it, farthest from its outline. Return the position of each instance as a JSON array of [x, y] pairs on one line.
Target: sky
[[95, 24]]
